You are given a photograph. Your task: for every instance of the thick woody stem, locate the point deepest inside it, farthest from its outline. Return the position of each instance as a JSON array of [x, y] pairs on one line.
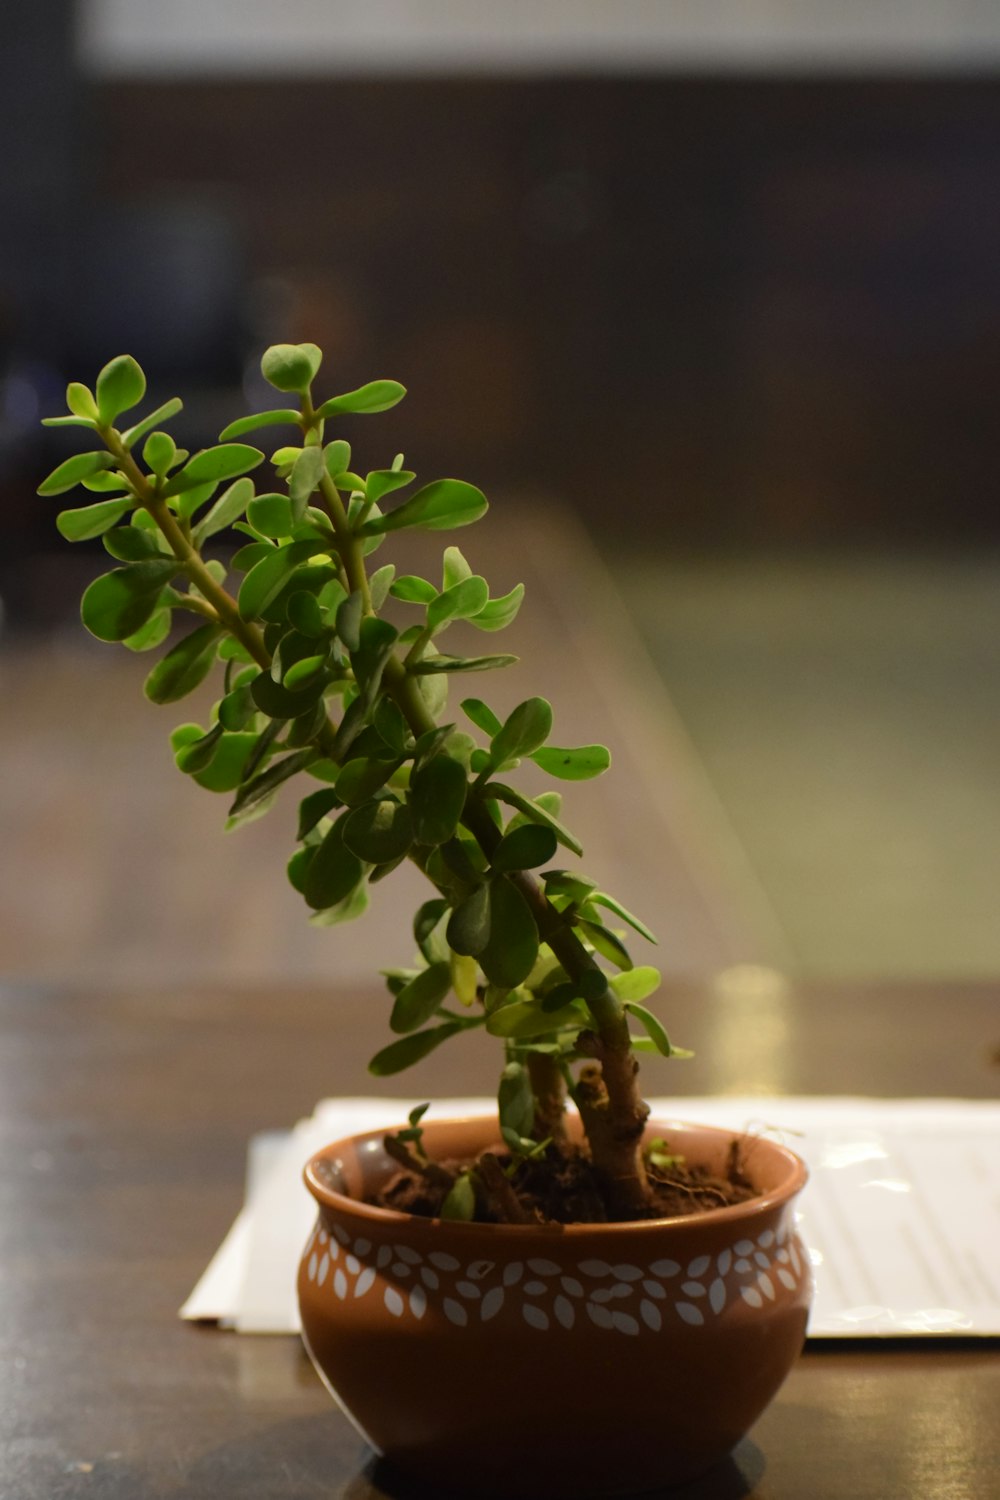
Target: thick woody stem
[[549, 1089], [614, 1117]]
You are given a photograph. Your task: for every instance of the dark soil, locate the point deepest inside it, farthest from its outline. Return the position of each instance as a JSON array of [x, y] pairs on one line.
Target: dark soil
[[562, 1188]]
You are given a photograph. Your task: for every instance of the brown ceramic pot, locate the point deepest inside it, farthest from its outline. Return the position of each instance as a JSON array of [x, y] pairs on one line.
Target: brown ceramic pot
[[577, 1360]]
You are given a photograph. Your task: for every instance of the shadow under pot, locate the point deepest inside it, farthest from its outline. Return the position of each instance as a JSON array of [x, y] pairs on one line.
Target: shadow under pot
[[573, 1360]]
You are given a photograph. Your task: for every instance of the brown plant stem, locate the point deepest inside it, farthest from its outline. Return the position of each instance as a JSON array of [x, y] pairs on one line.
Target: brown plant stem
[[549, 1089], [501, 1197]]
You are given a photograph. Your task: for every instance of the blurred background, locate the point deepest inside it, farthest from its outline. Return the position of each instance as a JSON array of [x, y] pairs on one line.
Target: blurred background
[[706, 297]]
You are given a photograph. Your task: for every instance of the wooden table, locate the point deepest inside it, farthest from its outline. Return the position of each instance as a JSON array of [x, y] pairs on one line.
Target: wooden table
[[125, 1116]]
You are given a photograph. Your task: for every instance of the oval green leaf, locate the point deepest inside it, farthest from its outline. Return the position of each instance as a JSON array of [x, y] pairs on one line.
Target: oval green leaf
[[411, 1049], [184, 666], [580, 764], [437, 799], [120, 386], [443, 505], [119, 603], [525, 848], [509, 955], [377, 395], [91, 520], [282, 416], [333, 872], [379, 832], [72, 470], [419, 999]]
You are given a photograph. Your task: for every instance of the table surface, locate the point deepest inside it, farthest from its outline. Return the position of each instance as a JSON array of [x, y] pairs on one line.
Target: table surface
[[125, 1115]]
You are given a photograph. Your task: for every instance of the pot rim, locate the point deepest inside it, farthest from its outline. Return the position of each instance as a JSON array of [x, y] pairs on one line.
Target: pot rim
[[737, 1213]]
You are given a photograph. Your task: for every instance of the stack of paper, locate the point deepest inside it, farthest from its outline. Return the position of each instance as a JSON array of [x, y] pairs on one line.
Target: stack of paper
[[901, 1214]]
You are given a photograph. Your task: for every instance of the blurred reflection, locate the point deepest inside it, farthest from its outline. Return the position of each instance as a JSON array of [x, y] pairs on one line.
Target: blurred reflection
[[748, 1052]]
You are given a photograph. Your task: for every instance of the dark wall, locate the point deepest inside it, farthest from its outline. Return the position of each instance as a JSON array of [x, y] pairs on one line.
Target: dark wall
[[768, 309], [723, 310]]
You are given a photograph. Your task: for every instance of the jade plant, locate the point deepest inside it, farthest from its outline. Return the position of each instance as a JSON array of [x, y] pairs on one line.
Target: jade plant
[[319, 686]]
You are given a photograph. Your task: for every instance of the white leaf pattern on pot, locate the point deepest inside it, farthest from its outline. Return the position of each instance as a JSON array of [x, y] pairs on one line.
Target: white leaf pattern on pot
[[632, 1299]]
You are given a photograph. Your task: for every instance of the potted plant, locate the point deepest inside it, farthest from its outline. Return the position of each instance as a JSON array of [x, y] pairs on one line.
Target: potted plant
[[550, 1301]]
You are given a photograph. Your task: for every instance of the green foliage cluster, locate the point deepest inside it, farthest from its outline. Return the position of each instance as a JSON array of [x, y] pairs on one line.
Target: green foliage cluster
[[319, 686]]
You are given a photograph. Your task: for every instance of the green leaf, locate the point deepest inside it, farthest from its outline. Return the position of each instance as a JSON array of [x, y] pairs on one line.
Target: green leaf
[[111, 482], [279, 417], [307, 471], [228, 508], [119, 603], [509, 955], [458, 602], [377, 639], [194, 750], [349, 620], [601, 898], [228, 763], [212, 465], [153, 633], [155, 419], [636, 984], [379, 831], [564, 883], [391, 725], [459, 1206], [515, 1100], [267, 782], [91, 520], [334, 870], [377, 395], [81, 402], [361, 778], [194, 498], [438, 665], [306, 614], [443, 505], [499, 613], [525, 1019], [291, 367], [534, 812], [337, 457], [237, 708], [425, 923], [654, 1027], [352, 907], [120, 386], [454, 568], [413, 590], [481, 715], [525, 848], [607, 943], [382, 482], [268, 577], [419, 999], [411, 1049], [248, 557], [72, 470], [379, 584], [271, 515], [159, 453], [573, 765], [522, 732], [68, 422], [184, 666], [304, 672], [315, 807], [437, 799], [468, 930]]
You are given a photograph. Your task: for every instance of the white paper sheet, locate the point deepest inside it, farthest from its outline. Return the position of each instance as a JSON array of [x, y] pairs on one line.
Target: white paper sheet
[[901, 1214]]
